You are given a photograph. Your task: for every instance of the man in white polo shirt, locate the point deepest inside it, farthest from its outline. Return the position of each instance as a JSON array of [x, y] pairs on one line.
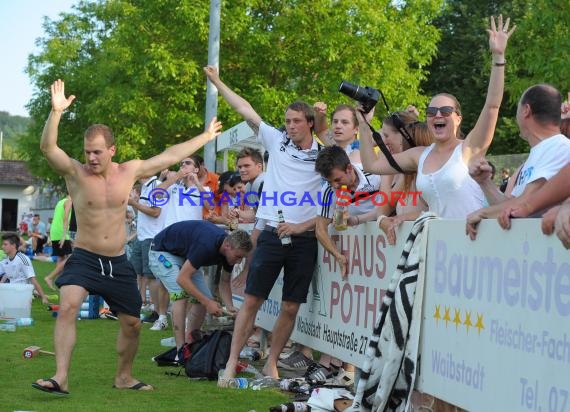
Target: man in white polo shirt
[[538, 118], [290, 178]]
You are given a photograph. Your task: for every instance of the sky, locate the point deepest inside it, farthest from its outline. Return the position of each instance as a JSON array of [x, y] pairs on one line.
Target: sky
[[20, 26]]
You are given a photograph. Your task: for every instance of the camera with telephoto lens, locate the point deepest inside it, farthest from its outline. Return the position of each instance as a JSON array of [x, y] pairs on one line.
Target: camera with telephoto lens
[[366, 96]]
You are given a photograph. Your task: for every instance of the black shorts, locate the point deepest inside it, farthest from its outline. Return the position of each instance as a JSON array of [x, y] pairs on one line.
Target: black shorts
[[40, 242], [298, 263], [113, 278], [61, 251]]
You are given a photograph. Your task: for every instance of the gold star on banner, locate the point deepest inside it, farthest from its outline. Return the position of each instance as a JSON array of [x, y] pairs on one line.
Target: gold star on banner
[[446, 316], [479, 325], [437, 315], [468, 322], [457, 318]]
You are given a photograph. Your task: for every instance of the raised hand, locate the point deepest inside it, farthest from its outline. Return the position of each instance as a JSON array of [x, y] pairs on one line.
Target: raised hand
[[499, 35], [214, 128], [58, 100], [211, 73], [480, 170]]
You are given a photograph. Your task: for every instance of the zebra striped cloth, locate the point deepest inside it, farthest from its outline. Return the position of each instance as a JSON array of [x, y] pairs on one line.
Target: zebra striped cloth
[[389, 370]]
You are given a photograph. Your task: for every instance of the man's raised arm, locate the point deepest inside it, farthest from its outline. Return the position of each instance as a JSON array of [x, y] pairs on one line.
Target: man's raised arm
[[57, 158], [238, 103], [176, 153]]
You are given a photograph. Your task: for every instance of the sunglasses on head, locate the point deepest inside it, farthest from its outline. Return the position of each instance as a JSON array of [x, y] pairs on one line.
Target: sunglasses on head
[[165, 262], [445, 111], [187, 163]]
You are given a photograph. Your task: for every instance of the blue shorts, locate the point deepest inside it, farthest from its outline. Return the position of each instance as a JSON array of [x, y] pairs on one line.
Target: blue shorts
[[298, 264], [166, 266], [111, 277]]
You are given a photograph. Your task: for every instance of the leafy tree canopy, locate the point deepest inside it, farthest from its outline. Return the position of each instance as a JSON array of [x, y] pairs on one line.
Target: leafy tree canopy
[[137, 65]]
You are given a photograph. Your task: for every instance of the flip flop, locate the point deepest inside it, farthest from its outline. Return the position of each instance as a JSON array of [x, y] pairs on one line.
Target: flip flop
[[55, 389], [136, 387]]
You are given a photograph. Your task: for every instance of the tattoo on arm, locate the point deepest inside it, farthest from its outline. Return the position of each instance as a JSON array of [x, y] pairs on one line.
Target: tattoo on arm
[[254, 127]]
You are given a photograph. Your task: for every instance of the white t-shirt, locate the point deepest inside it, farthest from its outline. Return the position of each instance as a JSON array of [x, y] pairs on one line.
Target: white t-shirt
[[148, 226], [544, 161], [449, 191], [185, 203], [291, 182], [367, 183], [18, 270]]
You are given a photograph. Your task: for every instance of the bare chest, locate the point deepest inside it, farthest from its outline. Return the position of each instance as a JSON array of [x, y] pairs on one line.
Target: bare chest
[[96, 192]]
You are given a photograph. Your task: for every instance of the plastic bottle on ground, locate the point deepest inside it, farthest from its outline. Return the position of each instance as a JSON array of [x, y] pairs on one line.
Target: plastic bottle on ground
[[265, 382], [168, 341], [250, 353], [238, 383], [290, 407]]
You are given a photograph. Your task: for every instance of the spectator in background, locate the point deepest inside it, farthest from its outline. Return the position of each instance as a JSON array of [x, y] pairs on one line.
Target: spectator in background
[[207, 179], [60, 240], [396, 130], [229, 196], [150, 219], [37, 232], [505, 176], [343, 131], [538, 118], [16, 267]]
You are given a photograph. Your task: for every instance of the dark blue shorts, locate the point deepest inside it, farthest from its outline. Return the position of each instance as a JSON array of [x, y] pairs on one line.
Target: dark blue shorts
[[298, 263], [112, 277]]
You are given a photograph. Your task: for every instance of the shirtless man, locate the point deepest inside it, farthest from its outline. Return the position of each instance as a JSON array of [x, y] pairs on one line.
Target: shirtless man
[[100, 191]]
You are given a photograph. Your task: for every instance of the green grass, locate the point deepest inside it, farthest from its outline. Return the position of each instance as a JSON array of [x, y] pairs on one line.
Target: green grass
[[93, 368]]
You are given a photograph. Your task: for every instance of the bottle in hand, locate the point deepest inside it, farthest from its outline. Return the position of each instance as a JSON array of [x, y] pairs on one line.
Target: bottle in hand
[[285, 239]]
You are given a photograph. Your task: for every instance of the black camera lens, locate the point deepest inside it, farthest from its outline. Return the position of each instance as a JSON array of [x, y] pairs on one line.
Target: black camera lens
[[349, 89], [367, 96]]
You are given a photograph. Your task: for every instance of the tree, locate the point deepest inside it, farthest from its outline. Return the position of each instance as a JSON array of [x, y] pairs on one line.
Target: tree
[[12, 127], [137, 65]]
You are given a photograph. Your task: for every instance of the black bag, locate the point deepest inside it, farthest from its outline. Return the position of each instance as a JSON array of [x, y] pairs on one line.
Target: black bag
[[209, 355], [166, 358]]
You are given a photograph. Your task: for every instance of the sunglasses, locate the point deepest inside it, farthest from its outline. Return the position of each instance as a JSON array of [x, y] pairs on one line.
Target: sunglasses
[[402, 128], [187, 163], [165, 262], [445, 111]]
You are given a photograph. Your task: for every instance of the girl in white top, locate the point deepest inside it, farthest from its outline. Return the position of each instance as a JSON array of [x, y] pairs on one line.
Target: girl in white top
[[443, 176]]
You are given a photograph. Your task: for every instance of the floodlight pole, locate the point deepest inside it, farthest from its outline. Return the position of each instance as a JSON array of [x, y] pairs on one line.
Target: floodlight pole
[[211, 91]]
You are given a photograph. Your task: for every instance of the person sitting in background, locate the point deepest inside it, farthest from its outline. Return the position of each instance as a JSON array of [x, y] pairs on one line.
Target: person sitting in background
[[38, 234], [16, 267]]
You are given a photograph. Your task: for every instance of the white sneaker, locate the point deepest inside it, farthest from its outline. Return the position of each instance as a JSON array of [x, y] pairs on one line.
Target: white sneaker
[[160, 324]]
